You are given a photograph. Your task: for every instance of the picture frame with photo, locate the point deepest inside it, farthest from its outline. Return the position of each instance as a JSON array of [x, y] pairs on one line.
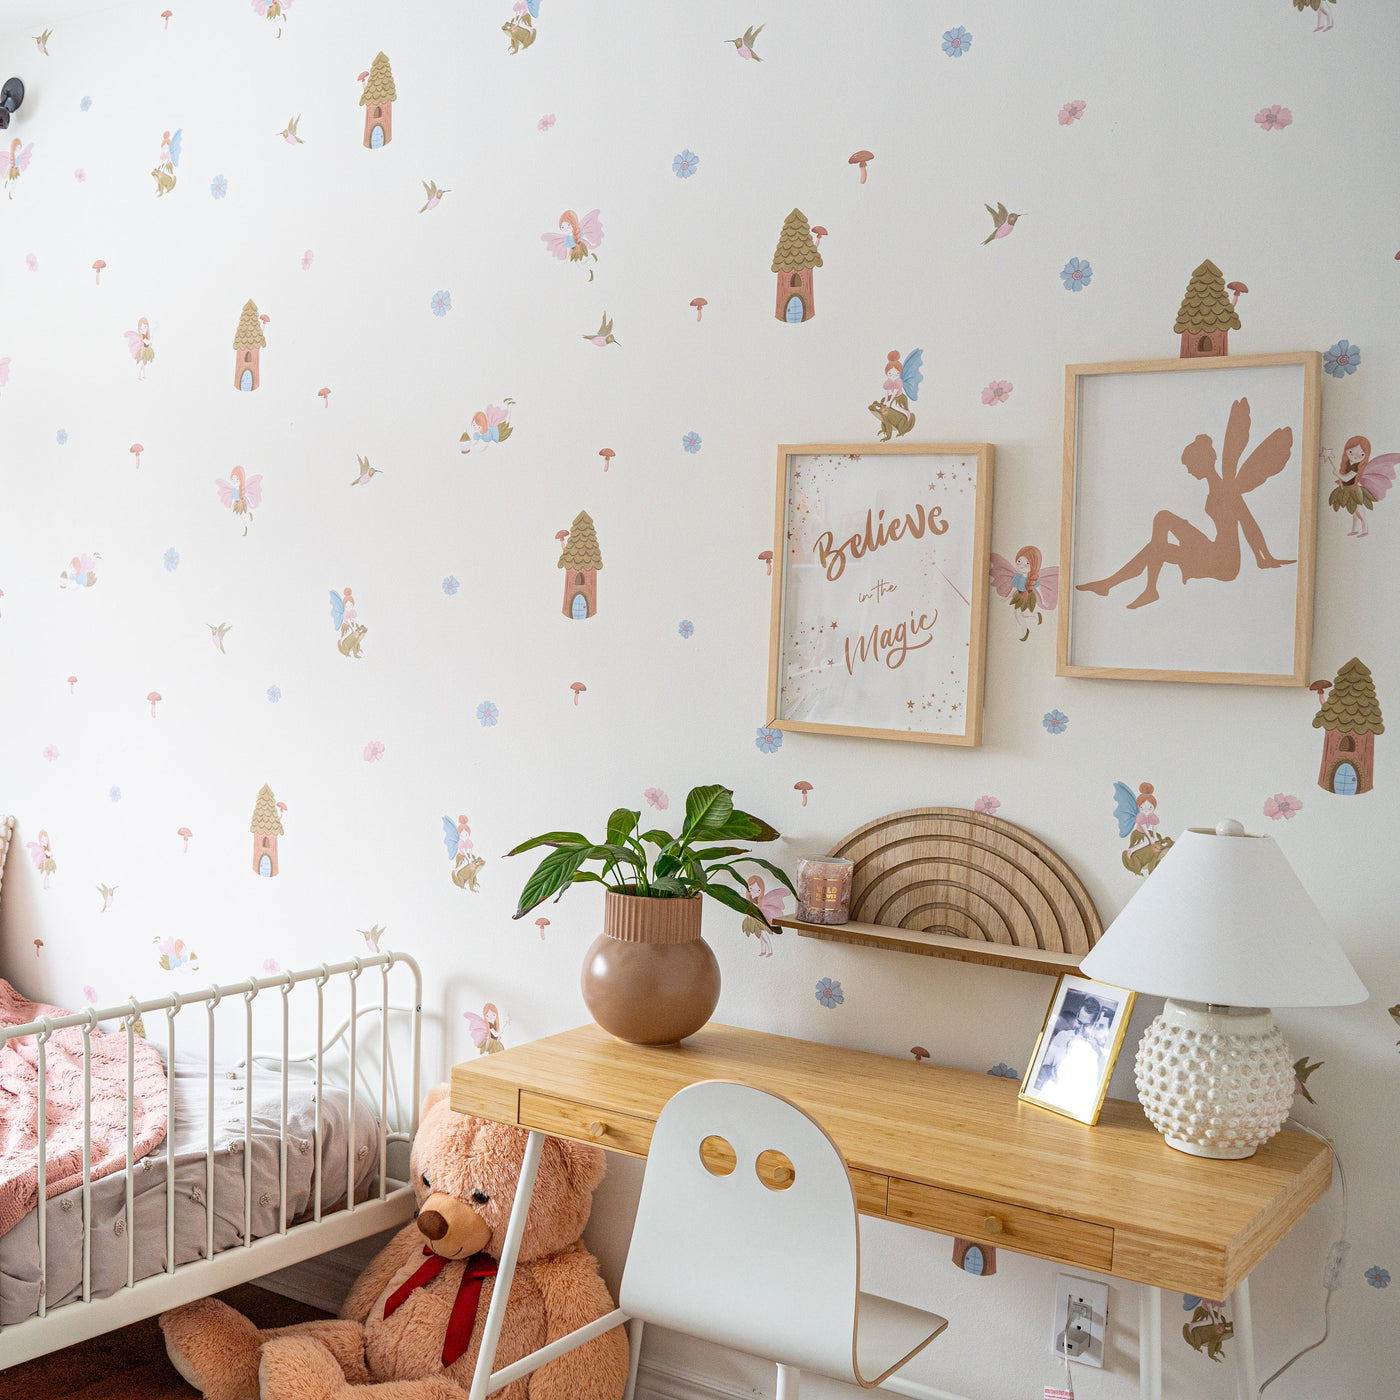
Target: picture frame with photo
[[1078, 1047]]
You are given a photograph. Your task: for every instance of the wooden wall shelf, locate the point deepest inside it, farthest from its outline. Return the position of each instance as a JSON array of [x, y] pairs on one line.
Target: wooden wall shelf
[[946, 882]]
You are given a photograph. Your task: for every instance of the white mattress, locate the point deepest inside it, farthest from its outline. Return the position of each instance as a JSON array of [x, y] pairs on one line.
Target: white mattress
[[19, 1248]]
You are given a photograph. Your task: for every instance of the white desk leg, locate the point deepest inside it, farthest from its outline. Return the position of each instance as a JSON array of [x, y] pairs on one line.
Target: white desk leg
[[500, 1289], [1246, 1381], [1150, 1343], [634, 1346]]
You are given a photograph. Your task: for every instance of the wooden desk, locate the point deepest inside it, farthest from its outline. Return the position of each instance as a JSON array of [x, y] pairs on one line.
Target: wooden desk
[[947, 1150]]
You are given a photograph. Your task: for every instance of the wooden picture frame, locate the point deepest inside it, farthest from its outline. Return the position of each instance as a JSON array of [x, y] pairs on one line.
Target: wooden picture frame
[[1128, 449], [854, 533], [1069, 1072]]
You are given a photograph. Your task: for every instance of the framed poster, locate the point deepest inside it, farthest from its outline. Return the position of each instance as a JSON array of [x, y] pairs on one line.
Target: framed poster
[[1189, 519], [879, 613]]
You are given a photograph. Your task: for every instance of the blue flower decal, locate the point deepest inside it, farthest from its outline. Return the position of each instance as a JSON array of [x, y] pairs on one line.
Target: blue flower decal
[[116, 795], [450, 585], [769, 740], [1378, 1277], [274, 694], [441, 303], [686, 629], [691, 443], [1190, 1302], [218, 187], [829, 993], [1056, 722], [1076, 274], [171, 560], [1342, 359], [61, 436], [956, 42], [487, 713], [85, 104], [685, 165], [1004, 1071]]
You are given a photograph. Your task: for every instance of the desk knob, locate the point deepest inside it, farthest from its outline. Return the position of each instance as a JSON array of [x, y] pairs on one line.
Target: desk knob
[[992, 1224], [781, 1173], [596, 1130]]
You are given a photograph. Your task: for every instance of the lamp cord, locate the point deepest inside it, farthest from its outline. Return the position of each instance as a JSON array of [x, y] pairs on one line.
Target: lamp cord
[[1331, 1280]]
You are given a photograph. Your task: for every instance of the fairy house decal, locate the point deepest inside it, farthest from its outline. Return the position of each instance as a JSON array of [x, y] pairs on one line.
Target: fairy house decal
[[1351, 718], [248, 340], [378, 100], [581, 559], [1207, 314], [793, 260], [266, 827]]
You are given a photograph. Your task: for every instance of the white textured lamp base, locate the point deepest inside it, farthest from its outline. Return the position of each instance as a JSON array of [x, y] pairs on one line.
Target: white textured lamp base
[[1215, 1081]]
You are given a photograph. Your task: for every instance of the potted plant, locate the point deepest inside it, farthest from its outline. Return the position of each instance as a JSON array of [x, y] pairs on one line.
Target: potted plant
[[649, 977]]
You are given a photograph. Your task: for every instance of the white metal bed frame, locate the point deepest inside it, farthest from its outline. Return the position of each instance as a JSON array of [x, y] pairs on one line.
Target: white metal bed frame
[[90, 1317]]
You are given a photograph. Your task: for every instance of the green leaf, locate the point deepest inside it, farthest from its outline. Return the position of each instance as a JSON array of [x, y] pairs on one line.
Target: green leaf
[[736, 901], [657, 837], [669, 885], [709, 853], [667, 862], [552, 874], [622, 824], [773, 870], [707, 809], [552, 838], [755, 828], [617, 855]]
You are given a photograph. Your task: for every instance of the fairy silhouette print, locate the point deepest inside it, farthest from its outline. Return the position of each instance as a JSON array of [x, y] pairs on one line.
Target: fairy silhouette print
[[1137, 823], [900, 389], [41, 853], [520, 28], [457, 837], [17, 164], [1362, 480], [1027, 586], [139, 343], [240, 494], [166, 161], [1179, 542], [349, 630], [577, 239]]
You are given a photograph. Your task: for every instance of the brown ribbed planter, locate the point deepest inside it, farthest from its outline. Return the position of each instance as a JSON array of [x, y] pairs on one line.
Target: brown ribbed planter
[[649, 978]]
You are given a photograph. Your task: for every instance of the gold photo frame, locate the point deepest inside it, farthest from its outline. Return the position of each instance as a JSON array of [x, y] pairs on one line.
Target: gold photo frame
[[1076, 1051]]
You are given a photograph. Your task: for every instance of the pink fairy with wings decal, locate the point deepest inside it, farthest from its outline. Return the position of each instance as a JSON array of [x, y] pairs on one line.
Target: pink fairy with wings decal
[[139, 343], [81, 571], [485, 1029], [274, 10], [17, 164], [1027, 586], [771, 903], [240, 494], [42, 855], [1362, 480], [577, 239]]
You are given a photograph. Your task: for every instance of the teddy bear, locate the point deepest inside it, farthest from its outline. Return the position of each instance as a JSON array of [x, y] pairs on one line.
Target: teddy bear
[[411, 1326]]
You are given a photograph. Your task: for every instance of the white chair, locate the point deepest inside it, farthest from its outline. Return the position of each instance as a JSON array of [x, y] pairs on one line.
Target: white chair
[[763, 1257]]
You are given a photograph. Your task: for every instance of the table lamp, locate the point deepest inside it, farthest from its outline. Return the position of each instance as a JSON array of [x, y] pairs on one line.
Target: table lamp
[[1224, 930]]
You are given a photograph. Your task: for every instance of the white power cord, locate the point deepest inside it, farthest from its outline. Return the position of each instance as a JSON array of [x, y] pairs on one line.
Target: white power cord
[[1331, 1270]]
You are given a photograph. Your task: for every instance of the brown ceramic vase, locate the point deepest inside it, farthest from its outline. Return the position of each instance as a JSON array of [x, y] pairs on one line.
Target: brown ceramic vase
[[649, 978]]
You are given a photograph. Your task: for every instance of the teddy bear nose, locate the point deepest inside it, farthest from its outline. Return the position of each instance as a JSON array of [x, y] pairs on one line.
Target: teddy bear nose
[[432, 1224]]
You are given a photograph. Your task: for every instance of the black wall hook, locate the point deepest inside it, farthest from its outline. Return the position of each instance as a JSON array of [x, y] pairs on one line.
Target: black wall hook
[[11, 95]]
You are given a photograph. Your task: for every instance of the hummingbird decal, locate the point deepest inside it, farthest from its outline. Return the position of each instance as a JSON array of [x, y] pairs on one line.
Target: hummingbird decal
[[43, 41], [366, 471], [1002, 222], [744, 46], [1301, 1070], [107, 892], [372, 935], [289, 132], [1395, 1016], [604, 334], [434, 195], [217, 634]]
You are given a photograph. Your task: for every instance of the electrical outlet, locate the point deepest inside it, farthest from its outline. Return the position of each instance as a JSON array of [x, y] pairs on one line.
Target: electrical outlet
[[1080, 1317]]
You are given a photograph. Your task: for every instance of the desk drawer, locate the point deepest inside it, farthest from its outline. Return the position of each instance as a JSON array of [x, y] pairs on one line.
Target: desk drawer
[[618, 1132], [1058, 1237]]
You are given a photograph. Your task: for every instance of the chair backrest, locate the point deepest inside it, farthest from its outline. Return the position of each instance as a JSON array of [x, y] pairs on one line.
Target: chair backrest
[[773, 1270]]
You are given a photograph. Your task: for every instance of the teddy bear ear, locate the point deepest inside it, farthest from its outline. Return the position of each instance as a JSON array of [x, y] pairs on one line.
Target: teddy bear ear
[[585, 1164], [434, 1096]]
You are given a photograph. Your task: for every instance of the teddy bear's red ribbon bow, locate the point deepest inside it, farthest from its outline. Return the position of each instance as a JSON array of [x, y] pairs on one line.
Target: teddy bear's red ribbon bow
[[462, 1319]]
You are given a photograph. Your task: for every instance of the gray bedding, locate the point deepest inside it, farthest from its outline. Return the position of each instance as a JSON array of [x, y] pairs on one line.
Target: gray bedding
[[19, 1248]]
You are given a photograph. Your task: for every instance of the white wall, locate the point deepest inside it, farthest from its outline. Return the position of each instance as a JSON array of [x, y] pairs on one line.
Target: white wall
[[1167, 167]]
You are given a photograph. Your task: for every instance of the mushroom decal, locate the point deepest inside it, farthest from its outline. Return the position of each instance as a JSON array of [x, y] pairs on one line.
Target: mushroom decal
[[72, 681], [38, 943], [561, 535], [97, 268], [325, 396], [1320, 689], [919, 1053], [1238, 288], [861, 158], [804, 788], [153, 697], [184, 834], [136, 450], [541, 924], [165, 15], [578, 688], [607, 454], [699, 304], [818, 232], [767, 558]]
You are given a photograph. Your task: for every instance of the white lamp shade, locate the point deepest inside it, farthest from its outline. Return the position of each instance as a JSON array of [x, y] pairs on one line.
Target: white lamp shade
[[1224, 920]]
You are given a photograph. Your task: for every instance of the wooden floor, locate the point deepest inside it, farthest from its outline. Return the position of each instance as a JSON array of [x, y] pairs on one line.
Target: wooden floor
[[131, 1364]]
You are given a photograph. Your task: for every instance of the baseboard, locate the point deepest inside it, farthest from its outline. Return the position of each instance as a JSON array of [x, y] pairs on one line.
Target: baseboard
[[660, 1380]]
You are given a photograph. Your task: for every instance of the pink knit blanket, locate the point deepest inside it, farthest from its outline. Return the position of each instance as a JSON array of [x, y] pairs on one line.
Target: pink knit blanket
[[19, 1106]]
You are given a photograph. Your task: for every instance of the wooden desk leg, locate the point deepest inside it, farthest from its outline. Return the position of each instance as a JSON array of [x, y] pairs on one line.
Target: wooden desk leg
[[1150, 1343], [500, 1289], [1246, 1380], [634, 1340]]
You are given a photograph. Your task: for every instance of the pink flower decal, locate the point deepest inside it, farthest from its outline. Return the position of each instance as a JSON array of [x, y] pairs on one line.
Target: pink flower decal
[[986, 805], [656, 798], [307, 258], [80, 174], [271, 965], [374, 751], [1282, 807], [1274, 118], [545, 122], [31, 262], [1072, 111], [50, 752], [998, 391]]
